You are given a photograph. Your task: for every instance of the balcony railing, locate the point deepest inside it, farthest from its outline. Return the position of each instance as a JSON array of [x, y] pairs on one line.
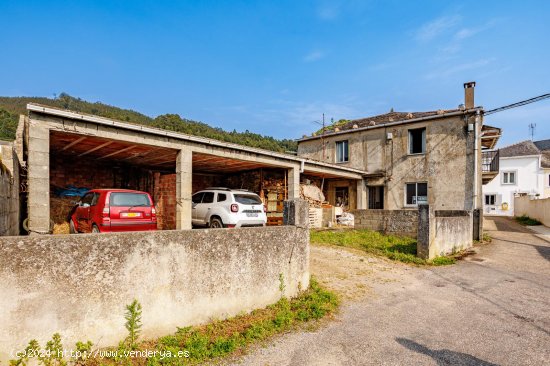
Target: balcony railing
[[489, 161]]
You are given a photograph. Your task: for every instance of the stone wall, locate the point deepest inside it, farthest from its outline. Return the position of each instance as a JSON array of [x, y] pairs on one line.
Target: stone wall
[[78, 285], [443, 232], [9, 191], [397, 222], [537, 209], [447, 165]]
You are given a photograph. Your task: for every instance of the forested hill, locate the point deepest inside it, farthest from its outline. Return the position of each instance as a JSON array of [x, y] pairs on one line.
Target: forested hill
[[12, 107]]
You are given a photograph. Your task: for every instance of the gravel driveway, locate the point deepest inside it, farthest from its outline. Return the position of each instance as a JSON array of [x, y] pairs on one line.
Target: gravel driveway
[[492, 308]]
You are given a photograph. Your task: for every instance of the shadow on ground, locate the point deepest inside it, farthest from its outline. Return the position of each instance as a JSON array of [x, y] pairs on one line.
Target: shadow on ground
[[443, 356]]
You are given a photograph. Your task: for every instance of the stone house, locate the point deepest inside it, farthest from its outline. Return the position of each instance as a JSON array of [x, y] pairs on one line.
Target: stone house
[[410, 158]]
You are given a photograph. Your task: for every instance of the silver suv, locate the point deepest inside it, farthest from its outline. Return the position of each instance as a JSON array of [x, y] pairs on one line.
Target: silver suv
[[223, 207]]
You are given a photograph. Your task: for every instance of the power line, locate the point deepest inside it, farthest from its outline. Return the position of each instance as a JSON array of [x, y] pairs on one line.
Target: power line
[[518, 104]]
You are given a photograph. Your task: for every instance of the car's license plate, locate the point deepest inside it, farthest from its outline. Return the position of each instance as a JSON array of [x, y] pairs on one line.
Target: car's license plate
[[130, 214], [248, 214]]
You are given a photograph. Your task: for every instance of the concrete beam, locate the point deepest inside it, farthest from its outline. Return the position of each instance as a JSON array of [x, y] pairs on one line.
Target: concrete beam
[[184, 180], [361, 195], [293, 182], [38, 179]]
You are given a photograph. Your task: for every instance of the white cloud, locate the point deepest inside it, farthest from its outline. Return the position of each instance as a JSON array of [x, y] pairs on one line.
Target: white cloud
[[448, 71], [314, 56], [436, 27]]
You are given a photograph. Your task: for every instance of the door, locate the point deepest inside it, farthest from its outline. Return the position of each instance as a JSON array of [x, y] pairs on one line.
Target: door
[[376, 198], [203, 209], [83, 213], [195, 201]]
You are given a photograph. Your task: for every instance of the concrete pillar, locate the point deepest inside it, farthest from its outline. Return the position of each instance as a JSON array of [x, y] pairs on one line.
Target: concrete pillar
[[361, 195], [38, 161], [293, 183], [426, 232], [184, 180], [296, 213]]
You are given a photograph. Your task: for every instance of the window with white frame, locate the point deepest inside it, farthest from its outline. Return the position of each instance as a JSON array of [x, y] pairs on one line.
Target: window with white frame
[[417, 141], [416, 194], [342, 151], [490, 199], [509, 178]]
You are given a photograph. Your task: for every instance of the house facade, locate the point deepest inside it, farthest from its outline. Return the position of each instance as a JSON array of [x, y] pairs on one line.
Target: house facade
[[524, 170], [410, 158]]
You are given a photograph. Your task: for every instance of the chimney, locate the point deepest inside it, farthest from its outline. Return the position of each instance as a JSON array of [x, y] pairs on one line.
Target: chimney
[[469, 94]]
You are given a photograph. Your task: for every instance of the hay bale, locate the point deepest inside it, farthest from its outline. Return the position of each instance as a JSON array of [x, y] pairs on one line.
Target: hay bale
[[60, 229]]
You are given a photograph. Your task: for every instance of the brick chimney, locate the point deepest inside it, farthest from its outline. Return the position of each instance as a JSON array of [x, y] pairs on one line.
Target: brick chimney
[[469, 94]]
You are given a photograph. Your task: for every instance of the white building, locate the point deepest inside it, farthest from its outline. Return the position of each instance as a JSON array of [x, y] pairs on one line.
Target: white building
[[524, 169]]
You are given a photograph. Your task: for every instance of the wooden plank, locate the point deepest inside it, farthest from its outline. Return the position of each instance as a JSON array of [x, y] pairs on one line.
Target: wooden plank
[[117, 152], [96, 148]]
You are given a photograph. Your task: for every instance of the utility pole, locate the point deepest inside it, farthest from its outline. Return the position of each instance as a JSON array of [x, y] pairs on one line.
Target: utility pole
[[532, 127]]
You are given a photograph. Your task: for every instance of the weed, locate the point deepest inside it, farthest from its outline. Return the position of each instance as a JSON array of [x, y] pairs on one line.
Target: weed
[[133, 323], [526, 220], [282, 285], [399, 248]]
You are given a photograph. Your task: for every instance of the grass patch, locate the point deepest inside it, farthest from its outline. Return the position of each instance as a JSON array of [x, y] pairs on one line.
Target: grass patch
[[399, 248], [232, 336], [526, 220]]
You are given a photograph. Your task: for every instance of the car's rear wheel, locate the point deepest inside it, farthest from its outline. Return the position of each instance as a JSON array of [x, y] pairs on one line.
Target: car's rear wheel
[[95, 229], [216, 223]]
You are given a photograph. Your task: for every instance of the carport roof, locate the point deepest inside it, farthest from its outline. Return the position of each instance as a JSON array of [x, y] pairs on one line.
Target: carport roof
[[308, 165]]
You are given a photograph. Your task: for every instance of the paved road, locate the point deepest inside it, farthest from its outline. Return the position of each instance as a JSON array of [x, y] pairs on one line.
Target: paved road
[[493, 308]]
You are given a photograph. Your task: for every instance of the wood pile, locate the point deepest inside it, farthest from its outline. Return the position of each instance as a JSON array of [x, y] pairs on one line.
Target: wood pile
[[60, 208], [313, 195]]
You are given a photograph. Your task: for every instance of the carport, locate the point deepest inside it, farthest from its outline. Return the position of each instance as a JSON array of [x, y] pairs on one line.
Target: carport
[[68, 148]]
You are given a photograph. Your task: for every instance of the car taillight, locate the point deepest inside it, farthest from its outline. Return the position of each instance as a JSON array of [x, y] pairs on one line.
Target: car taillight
[[234, 207], [106, 212], [153, 213]]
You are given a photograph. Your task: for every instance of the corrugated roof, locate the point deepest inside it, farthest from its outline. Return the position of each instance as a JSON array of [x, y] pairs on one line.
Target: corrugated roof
[[522, 148]]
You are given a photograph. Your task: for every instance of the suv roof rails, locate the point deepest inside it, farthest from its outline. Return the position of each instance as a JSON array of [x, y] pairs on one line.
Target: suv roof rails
[[242, 190], [217, 188]]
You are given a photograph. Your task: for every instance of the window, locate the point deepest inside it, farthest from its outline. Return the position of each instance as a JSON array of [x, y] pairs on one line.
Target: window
[[508, 177], [221, 197], [417, 141], [342, 151], [87, 199], [129, 199], [416, 194], [208, 197], [197, 197], [248, 199], [490, 199]]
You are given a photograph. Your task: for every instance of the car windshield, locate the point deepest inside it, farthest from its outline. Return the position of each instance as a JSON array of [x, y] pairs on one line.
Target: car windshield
[[248, 199], [129, 199]]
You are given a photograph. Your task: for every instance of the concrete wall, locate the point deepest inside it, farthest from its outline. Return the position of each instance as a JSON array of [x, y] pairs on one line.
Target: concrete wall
[[442, 232], [78, 285], [537, 209], [9, 191], [447, 165], [397, 222]]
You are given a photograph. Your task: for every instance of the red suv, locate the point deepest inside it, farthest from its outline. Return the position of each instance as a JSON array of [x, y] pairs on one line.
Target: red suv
[[109, 210]]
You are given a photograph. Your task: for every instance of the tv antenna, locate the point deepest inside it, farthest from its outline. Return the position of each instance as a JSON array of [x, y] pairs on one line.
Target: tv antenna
[[323, 130]]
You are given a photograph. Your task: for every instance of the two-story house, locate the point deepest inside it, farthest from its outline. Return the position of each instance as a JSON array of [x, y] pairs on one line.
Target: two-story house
[[411, 158], [524, 170]]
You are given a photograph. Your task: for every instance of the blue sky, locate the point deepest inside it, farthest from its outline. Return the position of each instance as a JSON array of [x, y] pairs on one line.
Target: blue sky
[[274, 67]]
